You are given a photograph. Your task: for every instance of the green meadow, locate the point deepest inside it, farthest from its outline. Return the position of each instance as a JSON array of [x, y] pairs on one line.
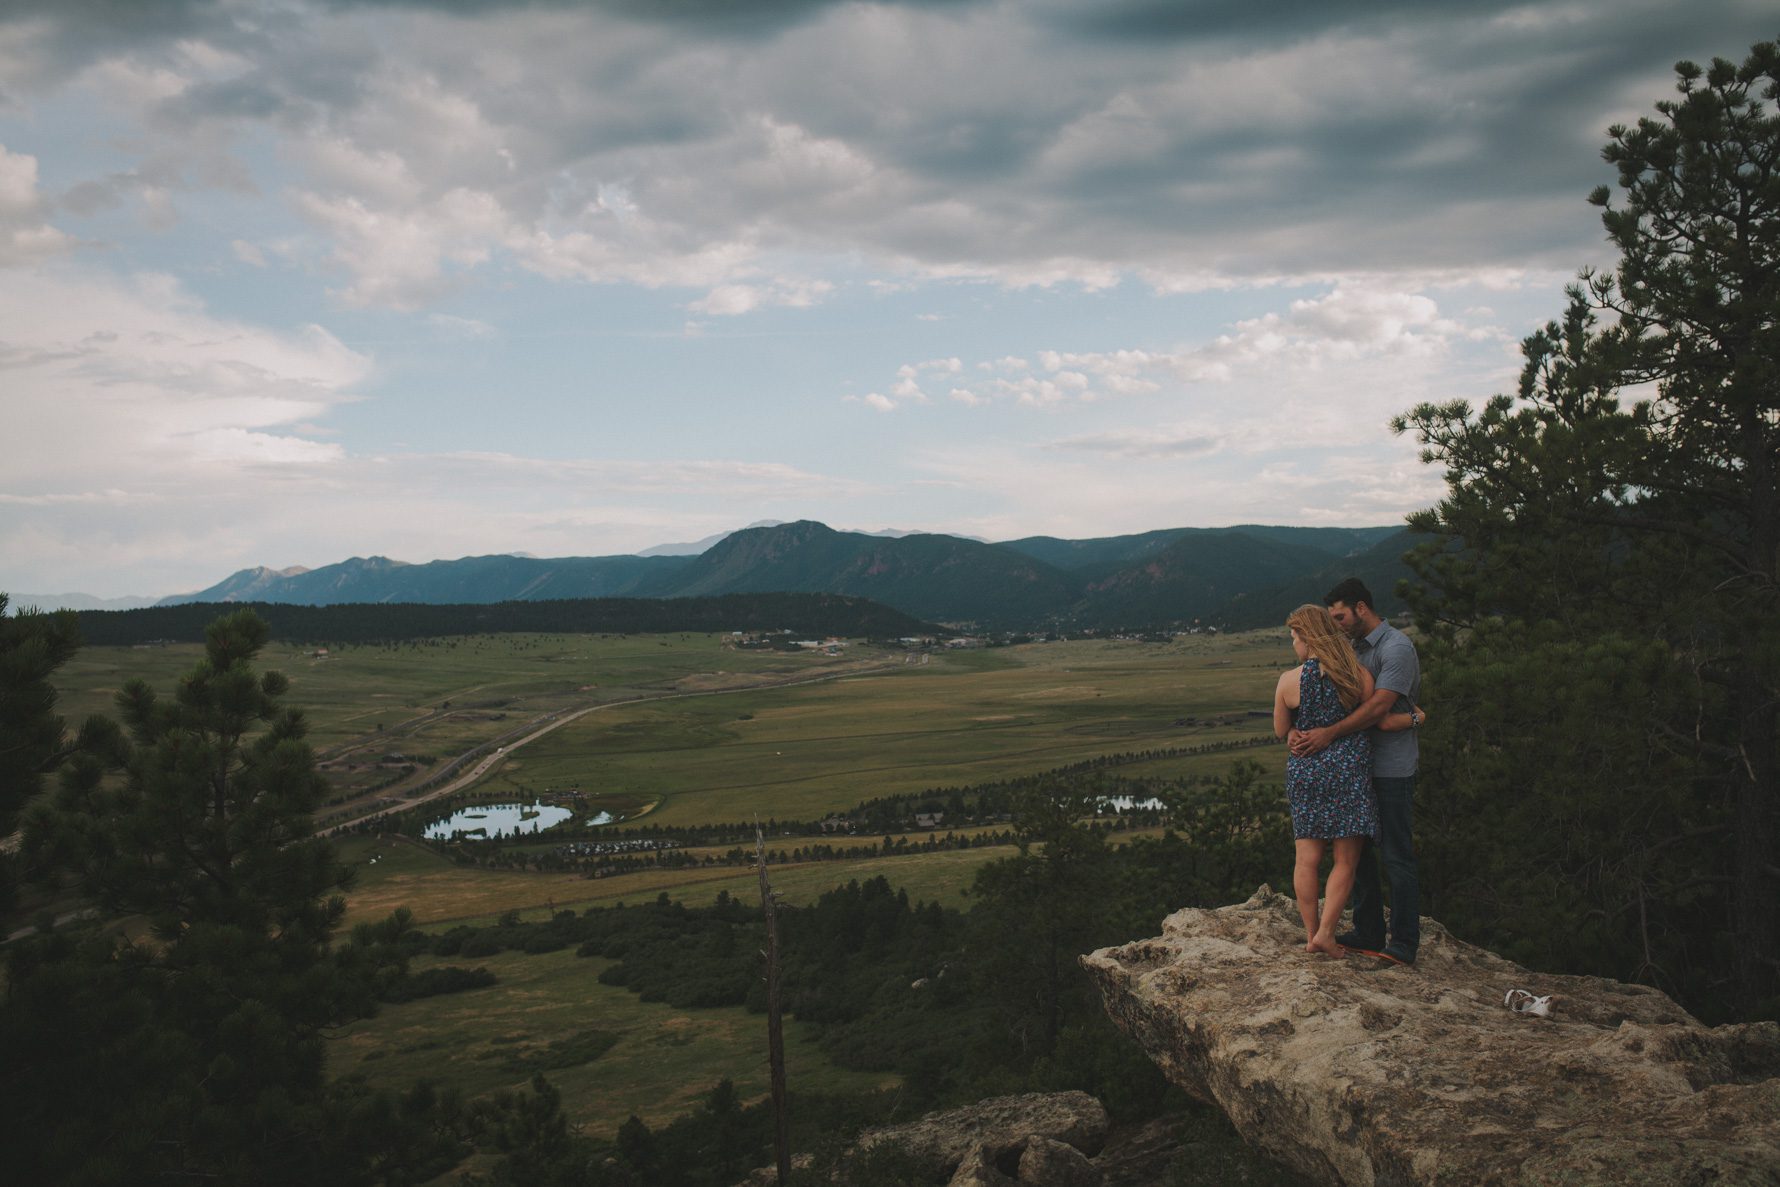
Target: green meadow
[[966, 717], [353, 693], [662, 1061], [436, 698]]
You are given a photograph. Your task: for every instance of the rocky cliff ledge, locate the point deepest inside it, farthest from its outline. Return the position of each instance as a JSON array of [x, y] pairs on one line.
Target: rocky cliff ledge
[[1358, 1073], [1042, 1139]]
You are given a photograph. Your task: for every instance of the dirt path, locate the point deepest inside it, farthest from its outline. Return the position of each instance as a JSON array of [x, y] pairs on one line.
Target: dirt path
[[558, 718]]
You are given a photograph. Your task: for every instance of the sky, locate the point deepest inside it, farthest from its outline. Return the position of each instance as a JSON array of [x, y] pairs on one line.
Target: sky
[[290, 281]]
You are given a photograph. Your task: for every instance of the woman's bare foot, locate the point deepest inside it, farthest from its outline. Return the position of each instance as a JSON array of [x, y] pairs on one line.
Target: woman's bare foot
[[1325, 945]]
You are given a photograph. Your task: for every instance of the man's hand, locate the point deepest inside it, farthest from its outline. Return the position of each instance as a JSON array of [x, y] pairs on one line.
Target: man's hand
[[1308, 742]]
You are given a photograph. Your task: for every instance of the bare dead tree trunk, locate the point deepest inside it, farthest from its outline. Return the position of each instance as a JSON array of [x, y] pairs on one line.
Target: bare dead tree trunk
[[775, 1021]]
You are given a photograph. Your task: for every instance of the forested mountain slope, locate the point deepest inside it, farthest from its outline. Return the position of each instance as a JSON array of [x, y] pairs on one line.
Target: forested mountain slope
[[1236, 576]]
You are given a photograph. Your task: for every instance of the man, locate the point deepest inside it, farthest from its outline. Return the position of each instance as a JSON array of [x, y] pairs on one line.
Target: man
[[1396, 673]]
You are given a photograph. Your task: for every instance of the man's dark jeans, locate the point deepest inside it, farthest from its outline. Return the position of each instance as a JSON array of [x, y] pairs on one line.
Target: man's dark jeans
[[1395, 846]]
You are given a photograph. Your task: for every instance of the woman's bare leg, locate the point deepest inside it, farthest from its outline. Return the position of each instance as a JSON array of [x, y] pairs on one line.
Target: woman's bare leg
[[1304, 884], [1341, 885]]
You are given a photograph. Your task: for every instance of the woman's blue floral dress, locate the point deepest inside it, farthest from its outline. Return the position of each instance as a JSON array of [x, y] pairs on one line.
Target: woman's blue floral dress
[[1330, 791]]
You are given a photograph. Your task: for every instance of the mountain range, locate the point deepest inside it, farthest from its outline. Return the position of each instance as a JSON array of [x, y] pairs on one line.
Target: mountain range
[[1234, 577]]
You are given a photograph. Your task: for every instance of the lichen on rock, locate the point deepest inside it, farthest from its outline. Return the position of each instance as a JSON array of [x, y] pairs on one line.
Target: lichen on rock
[[1353, 1072]]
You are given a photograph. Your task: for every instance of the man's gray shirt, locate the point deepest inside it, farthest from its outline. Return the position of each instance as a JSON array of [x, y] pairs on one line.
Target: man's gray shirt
[[1390, 657]]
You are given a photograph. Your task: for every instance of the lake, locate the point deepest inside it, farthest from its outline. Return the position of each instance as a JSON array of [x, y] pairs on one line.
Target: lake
[[503, 820]]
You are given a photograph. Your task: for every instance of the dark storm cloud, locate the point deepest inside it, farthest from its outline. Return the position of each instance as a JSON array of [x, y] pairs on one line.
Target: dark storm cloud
[[1502, 113], [711, 18], [236, 98], [1151, 20], [1170, 137], [56, 39], [71, 33], [294, 78], [121, 19]]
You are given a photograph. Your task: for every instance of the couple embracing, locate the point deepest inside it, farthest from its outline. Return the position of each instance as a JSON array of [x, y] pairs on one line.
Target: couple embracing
[[1350, 716]]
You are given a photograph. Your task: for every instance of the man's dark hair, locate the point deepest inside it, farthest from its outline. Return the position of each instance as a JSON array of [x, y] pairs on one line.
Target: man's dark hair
[[1353, 591]]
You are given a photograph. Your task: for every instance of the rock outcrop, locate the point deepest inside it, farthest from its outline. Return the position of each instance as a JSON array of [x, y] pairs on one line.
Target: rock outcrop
[[1045, 1139], [996, 1132], [1358, 1073]]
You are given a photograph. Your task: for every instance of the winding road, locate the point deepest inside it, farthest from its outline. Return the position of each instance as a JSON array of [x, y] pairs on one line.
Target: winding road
[[557, 719]]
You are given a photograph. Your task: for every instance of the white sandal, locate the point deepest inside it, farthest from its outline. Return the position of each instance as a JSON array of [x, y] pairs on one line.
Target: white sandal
[[1522, 1002]]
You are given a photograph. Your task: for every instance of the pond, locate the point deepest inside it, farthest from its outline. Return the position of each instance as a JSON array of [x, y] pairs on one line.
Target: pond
[[503, 820], [1126, 803]]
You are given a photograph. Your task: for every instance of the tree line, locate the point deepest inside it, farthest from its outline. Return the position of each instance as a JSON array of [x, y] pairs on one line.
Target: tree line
[[977, 803], [815, 614]]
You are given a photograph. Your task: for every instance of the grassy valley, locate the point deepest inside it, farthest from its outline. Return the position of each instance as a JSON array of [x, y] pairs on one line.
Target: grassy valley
[[693, 737]]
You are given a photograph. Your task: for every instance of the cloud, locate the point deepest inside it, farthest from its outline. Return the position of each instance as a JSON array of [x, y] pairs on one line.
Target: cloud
[[1347, 324], [461, 328], [136, 419], [670, 145], [134, 379], [1281, 418], [149, 436], [1346, 327], [407, 261], [108, 496], [908, 387], [730, 300], [1149, 20], [1375, 167], [681, 476], [240, 446], [1141, 444], [1074, 493], [24, 235]]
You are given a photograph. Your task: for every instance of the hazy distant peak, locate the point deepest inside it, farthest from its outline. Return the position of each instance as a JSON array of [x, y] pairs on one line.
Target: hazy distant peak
[[695, 547], [268, 571], [73, 601]]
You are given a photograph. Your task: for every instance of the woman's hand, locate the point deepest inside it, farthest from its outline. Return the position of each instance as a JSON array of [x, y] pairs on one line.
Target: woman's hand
[[1392, 723]]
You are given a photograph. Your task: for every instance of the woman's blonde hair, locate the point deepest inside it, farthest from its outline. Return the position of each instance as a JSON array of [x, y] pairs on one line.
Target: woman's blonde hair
[[1331, 648]]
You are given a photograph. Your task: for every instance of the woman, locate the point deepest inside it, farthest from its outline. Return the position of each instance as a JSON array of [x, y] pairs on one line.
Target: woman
[[1330, 791]]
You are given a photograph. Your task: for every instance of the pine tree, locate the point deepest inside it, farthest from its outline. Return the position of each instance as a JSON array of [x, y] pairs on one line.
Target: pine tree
[[195, 1050], [1037, 911], [1625, 553], [32, 647], [1697, 294]]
